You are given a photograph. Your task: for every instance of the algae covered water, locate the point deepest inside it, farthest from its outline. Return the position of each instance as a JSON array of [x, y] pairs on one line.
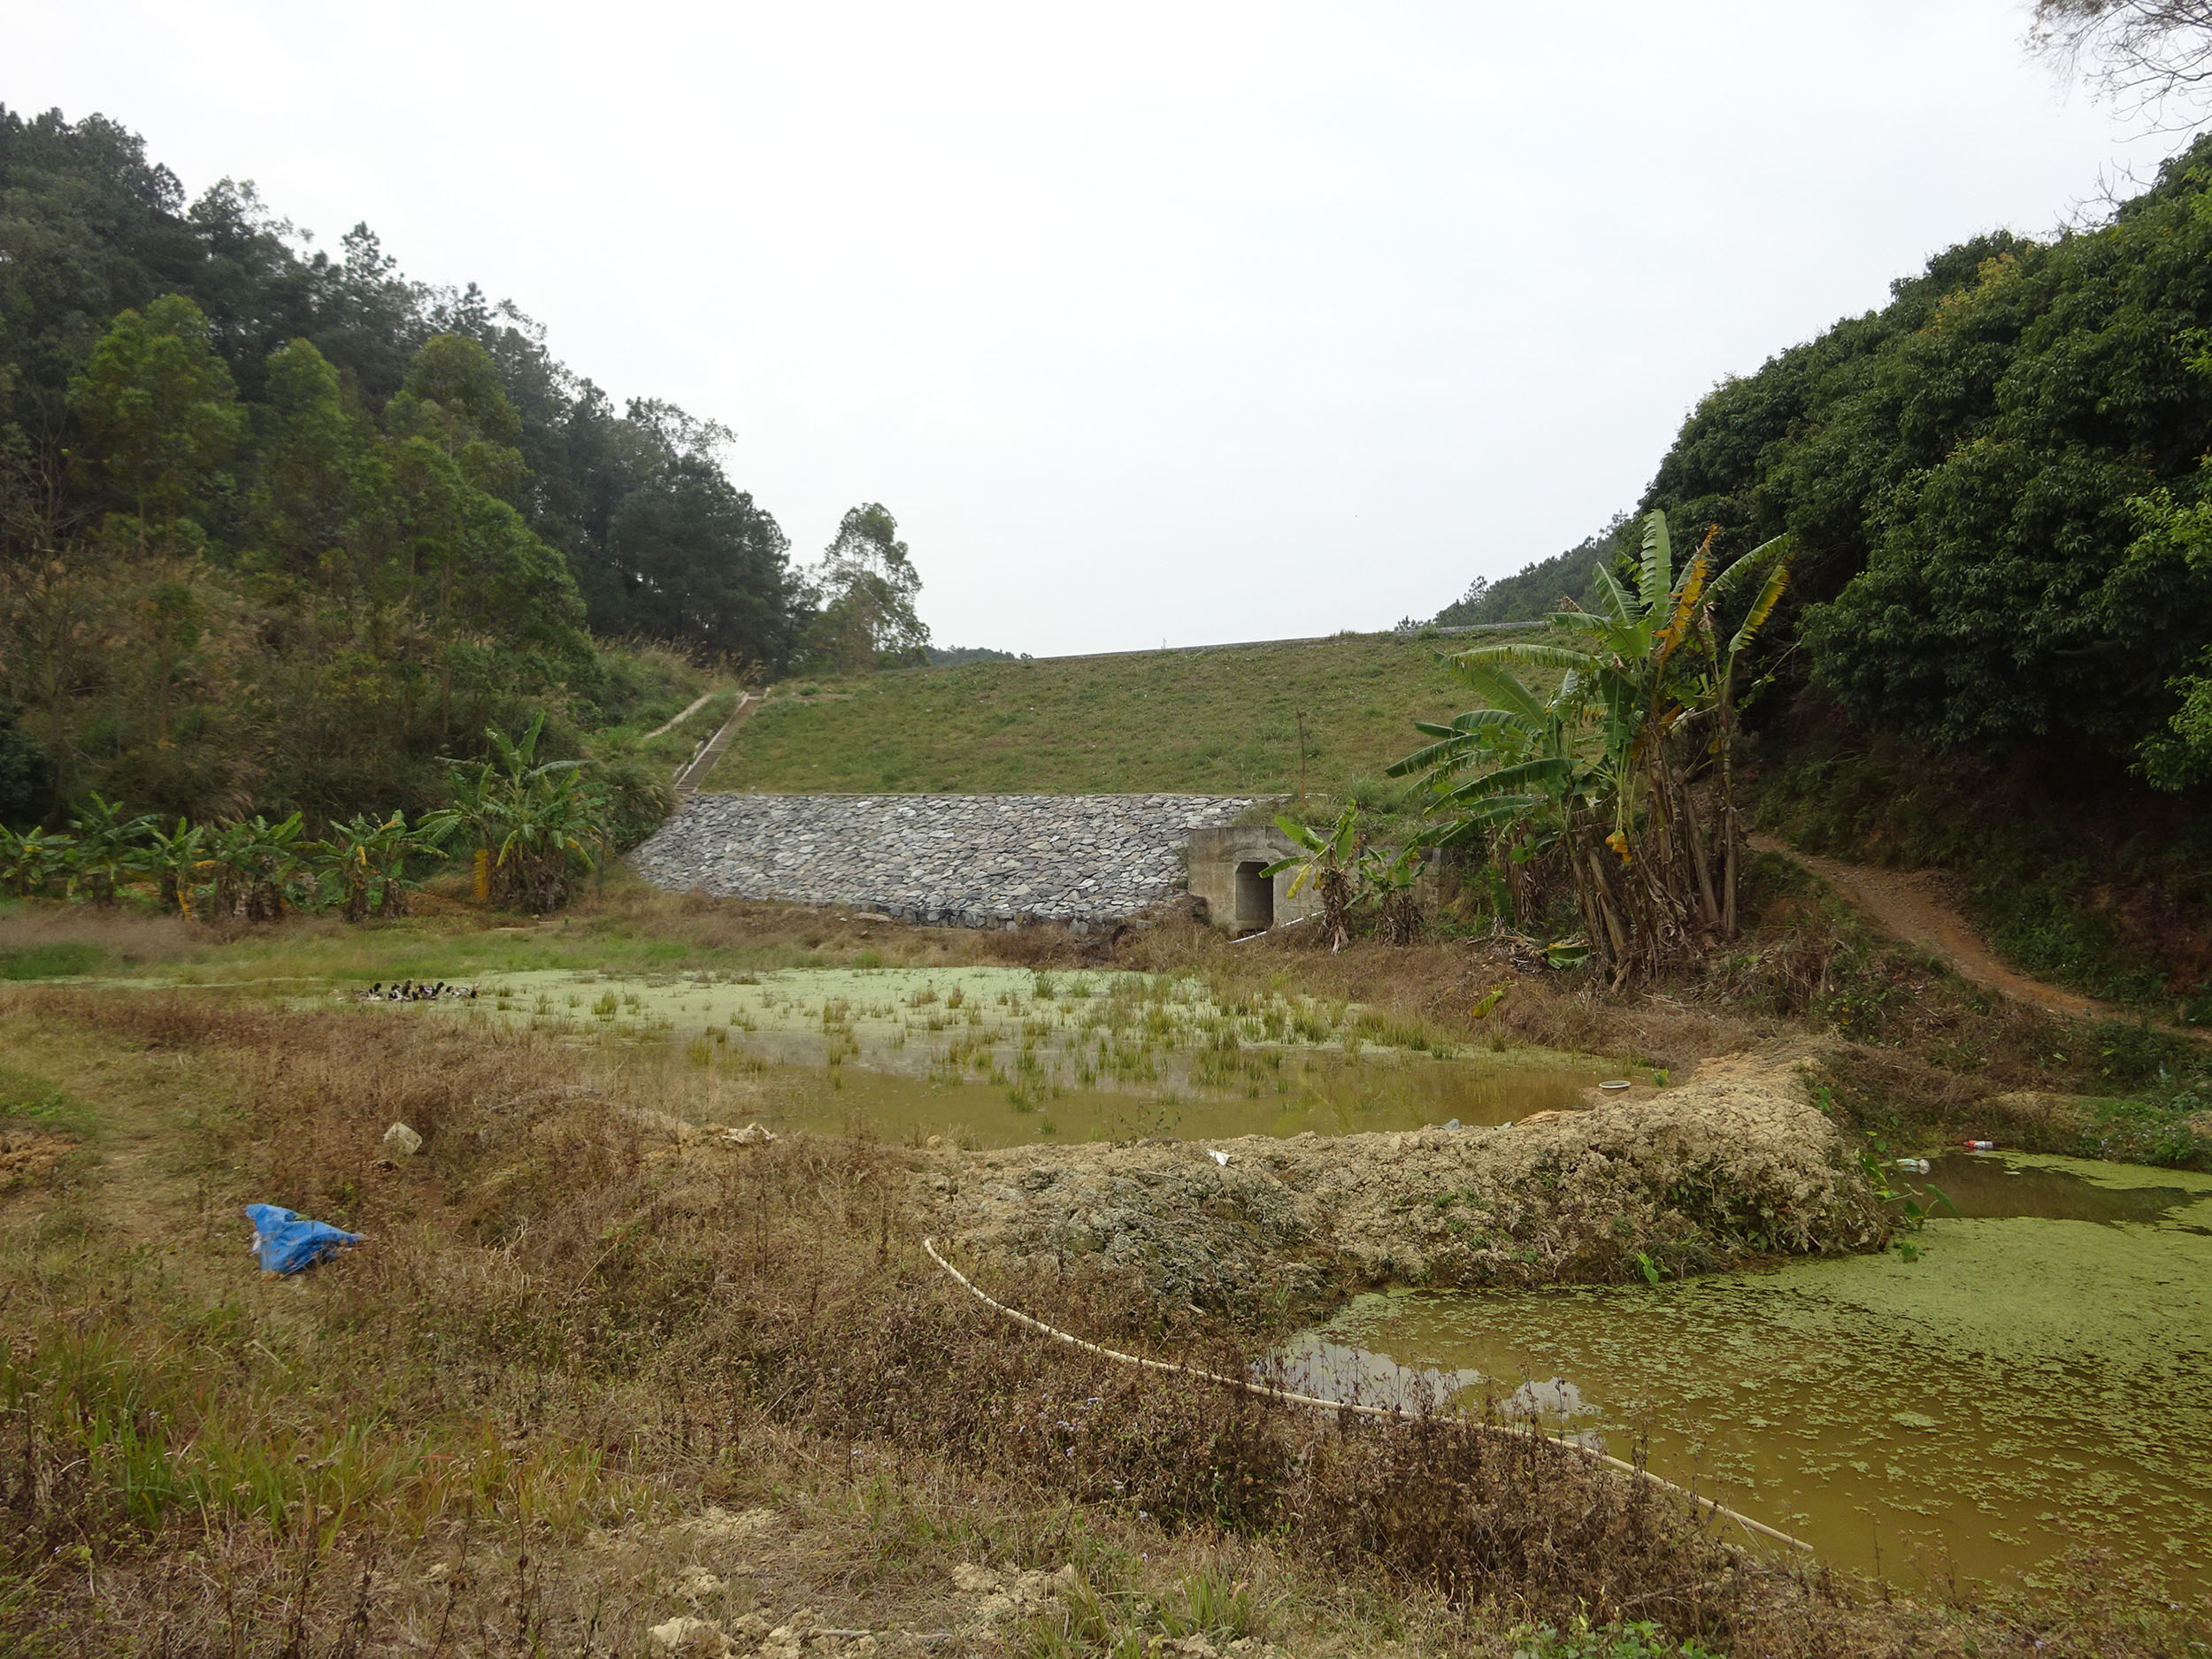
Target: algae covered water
[[2037, 1375], [994, 1056]]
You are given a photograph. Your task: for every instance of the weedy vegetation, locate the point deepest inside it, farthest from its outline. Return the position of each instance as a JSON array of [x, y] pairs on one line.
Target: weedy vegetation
[[577, 1330]]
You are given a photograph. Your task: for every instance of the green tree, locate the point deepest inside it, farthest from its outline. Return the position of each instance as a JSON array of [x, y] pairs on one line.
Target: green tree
[[696, 561], [453, 399], [303, 501], [863, 592], [1537, 589], [27, 777], [161, 409], [278, 523], [1966, 474]]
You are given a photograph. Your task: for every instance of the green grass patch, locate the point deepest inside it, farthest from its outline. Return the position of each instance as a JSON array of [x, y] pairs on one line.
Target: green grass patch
[[1223, 721], [51, 962], [27, 1097], [629, 930]]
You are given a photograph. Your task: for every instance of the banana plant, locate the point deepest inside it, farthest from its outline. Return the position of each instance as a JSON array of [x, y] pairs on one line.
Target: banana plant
[[538, 826], [1600, 775], [107, 852], [367, 859], [256, 865], [177, 858], [1388, 880], [33, 860], [1503, 778], [1327, 861]]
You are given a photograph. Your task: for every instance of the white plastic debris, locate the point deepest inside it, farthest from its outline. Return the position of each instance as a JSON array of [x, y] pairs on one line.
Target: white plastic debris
[[1218, 1157], [400, 1139]]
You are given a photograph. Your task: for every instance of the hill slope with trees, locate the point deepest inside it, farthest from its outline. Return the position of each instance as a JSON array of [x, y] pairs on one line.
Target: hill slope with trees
[[1995, 653], [1998, 489], [280, 527]]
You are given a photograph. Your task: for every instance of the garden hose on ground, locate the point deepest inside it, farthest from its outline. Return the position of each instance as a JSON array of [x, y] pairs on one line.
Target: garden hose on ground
[[1286, 1395]]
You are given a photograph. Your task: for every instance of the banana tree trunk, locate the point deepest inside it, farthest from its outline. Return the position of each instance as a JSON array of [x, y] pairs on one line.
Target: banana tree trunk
[[1617, 935], [1728, 829], [1694, 846]]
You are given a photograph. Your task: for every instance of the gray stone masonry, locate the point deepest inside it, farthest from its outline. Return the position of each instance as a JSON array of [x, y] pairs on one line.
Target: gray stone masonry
[[962, 860]]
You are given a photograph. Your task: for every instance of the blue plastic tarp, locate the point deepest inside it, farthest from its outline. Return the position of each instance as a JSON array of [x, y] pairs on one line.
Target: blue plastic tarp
[[287, 1242]]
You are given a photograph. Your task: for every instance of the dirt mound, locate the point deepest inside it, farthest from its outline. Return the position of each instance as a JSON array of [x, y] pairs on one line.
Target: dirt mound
[[28, 1156], [1733, 1163]]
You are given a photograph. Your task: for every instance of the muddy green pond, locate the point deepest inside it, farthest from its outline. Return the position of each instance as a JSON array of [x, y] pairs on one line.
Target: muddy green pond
[[2038, 1374], [994, 1056]]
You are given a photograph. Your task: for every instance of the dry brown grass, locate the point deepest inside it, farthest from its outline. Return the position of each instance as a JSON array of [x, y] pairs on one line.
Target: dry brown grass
[[46, 932], [572, 1329]]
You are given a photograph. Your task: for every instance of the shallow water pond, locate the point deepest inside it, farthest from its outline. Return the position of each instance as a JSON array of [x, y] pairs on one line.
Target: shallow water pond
[[999, 1057], [2039, 1375]]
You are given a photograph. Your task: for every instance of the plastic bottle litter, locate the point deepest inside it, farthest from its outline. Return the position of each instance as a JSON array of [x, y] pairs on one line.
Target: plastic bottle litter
[[1979, 1145], [1918, 1166]]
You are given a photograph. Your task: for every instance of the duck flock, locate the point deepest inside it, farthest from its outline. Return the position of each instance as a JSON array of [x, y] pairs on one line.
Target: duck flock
[[414, 991]]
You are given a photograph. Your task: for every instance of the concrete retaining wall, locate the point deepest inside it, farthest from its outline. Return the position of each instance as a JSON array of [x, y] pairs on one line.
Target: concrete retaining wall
[[969, 860], [1224, 865]]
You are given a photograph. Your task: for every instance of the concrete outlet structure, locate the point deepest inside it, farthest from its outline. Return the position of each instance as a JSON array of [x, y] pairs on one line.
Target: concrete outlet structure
[[1225, 867]]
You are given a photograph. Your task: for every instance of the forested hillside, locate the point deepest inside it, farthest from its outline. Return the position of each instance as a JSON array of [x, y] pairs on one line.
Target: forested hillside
[[1996, 650], [1997, 490], [278, 527], [1537, 589]]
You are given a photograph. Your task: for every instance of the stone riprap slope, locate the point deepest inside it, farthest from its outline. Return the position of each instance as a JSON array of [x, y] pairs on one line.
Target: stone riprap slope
[[964, 860]]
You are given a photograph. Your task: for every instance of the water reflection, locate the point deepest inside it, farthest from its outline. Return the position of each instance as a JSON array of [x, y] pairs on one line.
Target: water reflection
[[1980, 1184], [2039, 1377], [1000, 1056]]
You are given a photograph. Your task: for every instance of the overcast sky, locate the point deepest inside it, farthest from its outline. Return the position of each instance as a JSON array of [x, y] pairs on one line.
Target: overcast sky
[[1186, 322]]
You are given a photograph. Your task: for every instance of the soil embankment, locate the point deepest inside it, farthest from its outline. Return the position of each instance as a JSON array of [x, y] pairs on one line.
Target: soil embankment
[[1733, 1164]]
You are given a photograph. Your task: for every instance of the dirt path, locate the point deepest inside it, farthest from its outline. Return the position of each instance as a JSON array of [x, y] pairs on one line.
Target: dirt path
[[1910, 903]]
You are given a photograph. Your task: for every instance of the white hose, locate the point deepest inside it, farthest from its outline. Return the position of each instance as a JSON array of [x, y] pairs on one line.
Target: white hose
[[1286, 1395]]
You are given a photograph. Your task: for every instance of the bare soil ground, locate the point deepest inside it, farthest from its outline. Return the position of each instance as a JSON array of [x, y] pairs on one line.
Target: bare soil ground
[[1911, 906]]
